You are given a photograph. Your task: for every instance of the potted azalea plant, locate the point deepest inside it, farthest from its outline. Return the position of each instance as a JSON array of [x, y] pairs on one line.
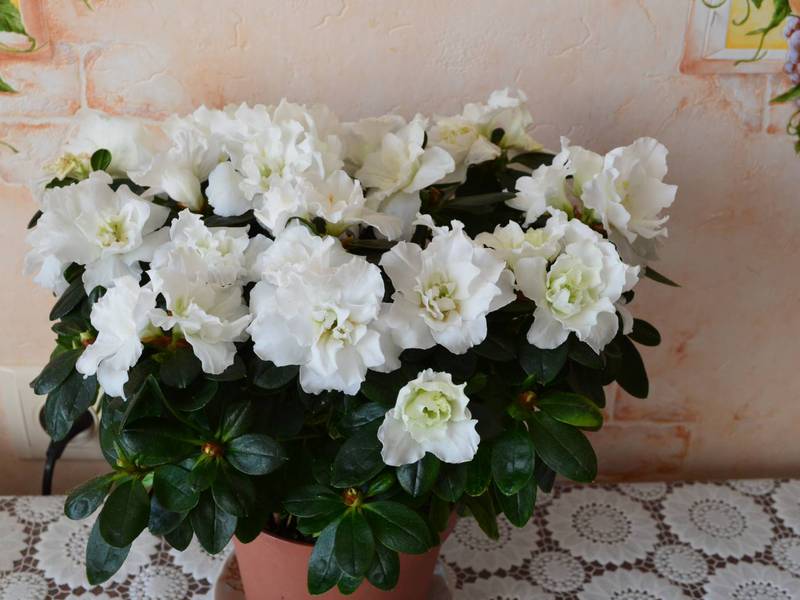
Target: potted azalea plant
[[327, 340]]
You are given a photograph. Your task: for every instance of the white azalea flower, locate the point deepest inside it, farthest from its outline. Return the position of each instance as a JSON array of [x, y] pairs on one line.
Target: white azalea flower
[[90, 224], [629, 194], [364, 137], [120, 317], [582, 164], [210, 254], [579, 290], [468, 137], [130, 143], [430, 415], [541, 192], [511, 242], [324, 319], [401, 164], [178, 172], [211, 318], [444, 292]]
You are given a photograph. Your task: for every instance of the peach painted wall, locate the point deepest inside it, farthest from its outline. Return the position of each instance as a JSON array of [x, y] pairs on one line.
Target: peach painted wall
[[726, 382]]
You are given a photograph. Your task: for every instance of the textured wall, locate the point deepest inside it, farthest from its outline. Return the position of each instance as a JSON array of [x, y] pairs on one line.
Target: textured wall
[[725, 384]]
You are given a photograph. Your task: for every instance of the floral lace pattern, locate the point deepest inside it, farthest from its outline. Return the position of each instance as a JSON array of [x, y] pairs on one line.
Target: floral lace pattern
[[734, 540]]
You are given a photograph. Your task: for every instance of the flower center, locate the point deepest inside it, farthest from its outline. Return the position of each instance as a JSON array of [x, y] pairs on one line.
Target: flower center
[[428, 409], [333, 328], [570, 286], [113, 232], [437, 298]]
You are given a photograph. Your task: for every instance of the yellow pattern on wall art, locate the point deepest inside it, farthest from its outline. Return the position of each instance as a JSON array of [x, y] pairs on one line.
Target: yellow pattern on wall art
[[737, 38]]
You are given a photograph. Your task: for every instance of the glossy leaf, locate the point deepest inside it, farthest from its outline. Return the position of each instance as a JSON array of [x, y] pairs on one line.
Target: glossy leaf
[[86, 498], [173, 487], [358, 460], [354, 545], [214, 527], [384, 571], [125, 513], [512, 461], [518, 507], [102, 559], [563, 448], [180, 537], [313, 500], [644, 333], [398, 527], [451, 482], [156, 442], [651, 273], [632, 376], [180, 368], [483, 510], [67, 402], [255, 454], [544, 365], [479, 471], [100, 160], [69, 300], [323, 572], [418, 478], [162, 521], [572, 409], [270, 377], [56, 371]]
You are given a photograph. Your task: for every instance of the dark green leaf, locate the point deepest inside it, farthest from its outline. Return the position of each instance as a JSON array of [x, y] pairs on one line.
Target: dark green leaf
[[67, 402], [234, 493], [180, 368], [6, 88], [162, 521], [644, 333], [102, 559], [518, 507], [439, 513], [250, 527], [71, 297], [512, 461], [156, 442], [361, 416], [313, 500], [233, 373], [651, 273], [451, 482], [382, 483], [270, 377], [354, 545], [545, 476], [478, 200], [173, 487], [632, 376], [583, 354], [234, 221], [479, 471], [180, 537], [100, 160], [418, 478], [358, 460], [587, 382], [572, 409], [533, 160], [483, 510], [237, 419], [496, 348], [125, 513], [214, 527], [86, 498], [545, 365], [788, 96], [203, 473], [398, 527], [323, 572], [385, 569], [255, 454], [348, 584], [197, 396], [563, 448], [56, 371]]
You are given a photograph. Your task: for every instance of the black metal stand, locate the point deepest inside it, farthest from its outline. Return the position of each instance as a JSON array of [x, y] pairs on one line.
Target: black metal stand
[[56, 449]]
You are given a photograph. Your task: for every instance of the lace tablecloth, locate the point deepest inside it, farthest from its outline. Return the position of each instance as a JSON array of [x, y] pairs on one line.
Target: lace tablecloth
[[735, 540]]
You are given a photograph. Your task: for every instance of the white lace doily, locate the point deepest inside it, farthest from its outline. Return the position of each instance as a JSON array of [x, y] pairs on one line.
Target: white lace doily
[[662, 541]]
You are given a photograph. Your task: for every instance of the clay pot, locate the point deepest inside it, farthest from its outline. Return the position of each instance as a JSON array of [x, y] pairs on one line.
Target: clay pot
[[273, 568]]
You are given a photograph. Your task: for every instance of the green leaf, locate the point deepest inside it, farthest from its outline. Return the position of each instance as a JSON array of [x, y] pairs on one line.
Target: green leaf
[[358, 460], [173, 487], [518, 507], [180, 537], [250, 527], [237, 419], [478, 201], [233, 221], [398, 527], [180, 368], [197, 396], [788, 96], [583, 354], [10, 18], [651, 273], [233, 373], [6, 88], [125, 513], [533, 160], [644, 333], [384, 571], [86, 498], [496, 349], [587, 382], [56, 371], [233, 493], [418, 478], [362, 416], [563, 448], [100, 160], [313, 500], [479, 471], [203, 473], [71, 297], [354, 545], [483, 510], [632, 376], [348, 584], [451, 482], [544, 365], [102, 559], [255, 454], [323, 572], [214, 527], [155, 441], [382, 483], [572, 409], [512, 461], [161, 520], [439, 513], [545, 476], [270, 377], [67, 402]]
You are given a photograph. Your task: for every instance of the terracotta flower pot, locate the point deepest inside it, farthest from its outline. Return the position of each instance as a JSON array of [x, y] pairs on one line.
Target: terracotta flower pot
[[273, 568]]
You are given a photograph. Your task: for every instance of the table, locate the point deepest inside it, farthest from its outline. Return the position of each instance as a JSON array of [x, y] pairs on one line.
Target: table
[[656, 541]]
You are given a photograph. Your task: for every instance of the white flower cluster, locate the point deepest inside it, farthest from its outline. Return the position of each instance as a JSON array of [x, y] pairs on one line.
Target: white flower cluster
[[297, 185]]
